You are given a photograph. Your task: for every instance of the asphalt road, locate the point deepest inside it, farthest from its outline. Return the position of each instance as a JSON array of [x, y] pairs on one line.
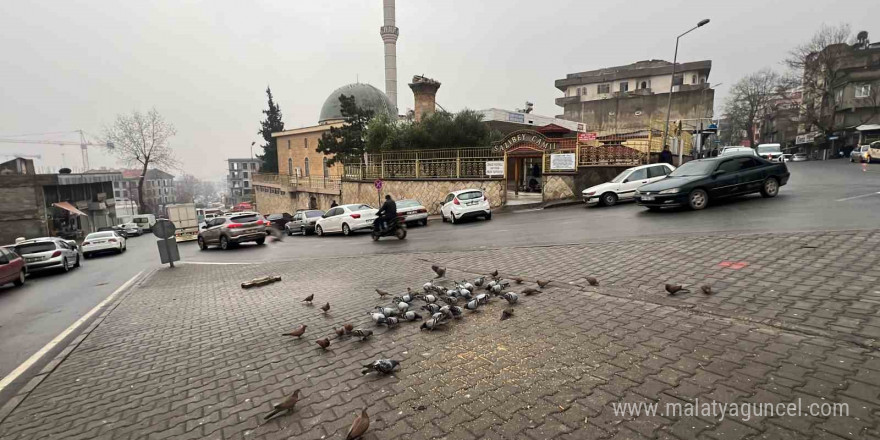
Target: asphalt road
[[830, 195]]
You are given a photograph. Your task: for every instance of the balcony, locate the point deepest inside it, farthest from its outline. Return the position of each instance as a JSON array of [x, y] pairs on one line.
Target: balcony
[[567, 100]]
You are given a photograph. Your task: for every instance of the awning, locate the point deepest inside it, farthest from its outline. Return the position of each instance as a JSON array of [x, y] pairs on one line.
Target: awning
[[68, 207], [868, 127]]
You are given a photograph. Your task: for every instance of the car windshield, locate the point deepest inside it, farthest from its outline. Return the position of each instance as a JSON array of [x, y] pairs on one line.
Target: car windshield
[[100, 235], [620, 177], [768, 149], [313, 214], [470, 195], [250, 218], [407, 203], [694, 168], [32, 248]]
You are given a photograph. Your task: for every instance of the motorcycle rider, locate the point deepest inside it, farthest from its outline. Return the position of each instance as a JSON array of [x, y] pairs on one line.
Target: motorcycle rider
[[387, 213]]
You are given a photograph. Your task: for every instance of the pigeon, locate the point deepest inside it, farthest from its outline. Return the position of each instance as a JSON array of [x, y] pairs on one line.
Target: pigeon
[[479, 281], [707, 289], [451, 300], [427, 287], [496, 289], [323, 343], [445, 310], [382, 293], [511, 297], [378, 318], [456, 311], [384, 366], [431, 308], [506, 313], [391, 322], [402, 306], [298, 332], [473, 305], [542, 284], [339, 332], [412, 316], [309, 299], [407, 298], [482, 298], [672, 289], [467, 286], [347, 328], [530, 291], [286, 405], [518, 280], [359, 426], [431, 324], [387, 311], [464, 293], [494, 273], [325, 307], [439, 316], [430, 299], [362, 333], [593, 281], [440, 271]]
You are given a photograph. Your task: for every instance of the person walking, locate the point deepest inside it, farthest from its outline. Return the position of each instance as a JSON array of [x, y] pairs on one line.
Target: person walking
[[666, 156]]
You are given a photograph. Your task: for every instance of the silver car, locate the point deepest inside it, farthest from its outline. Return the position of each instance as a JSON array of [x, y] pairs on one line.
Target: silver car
[[412, 212], [233, 229], [48, 253], [303, 222]]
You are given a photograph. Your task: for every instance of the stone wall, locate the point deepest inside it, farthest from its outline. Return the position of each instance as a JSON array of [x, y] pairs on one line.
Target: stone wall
[[22, 207], [569, 186], [558, 187], [429, 192], [291, 201]]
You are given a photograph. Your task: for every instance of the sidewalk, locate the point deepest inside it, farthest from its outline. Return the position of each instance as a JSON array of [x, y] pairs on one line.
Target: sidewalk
[[189, 354]]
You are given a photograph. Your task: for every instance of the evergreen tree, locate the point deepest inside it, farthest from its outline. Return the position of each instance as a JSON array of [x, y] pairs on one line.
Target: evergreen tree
[[272, 124], [347, 143]]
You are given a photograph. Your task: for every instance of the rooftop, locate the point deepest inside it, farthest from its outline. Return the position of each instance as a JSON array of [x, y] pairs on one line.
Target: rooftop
[[635, 70]]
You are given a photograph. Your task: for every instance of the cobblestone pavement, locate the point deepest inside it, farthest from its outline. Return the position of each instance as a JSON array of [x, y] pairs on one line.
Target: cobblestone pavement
[[189, 354]]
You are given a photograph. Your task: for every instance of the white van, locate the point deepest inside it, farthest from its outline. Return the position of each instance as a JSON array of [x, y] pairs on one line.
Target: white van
[[145, 221]]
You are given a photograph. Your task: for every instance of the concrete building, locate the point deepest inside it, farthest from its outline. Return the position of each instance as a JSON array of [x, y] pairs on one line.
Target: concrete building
[[239, 180], [39, 205], [635, 95], [158, 189], [296, 152], [506, 121], [390, 32]]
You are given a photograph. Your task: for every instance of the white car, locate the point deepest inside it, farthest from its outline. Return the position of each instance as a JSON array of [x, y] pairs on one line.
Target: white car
[[733, 151], [48, 253], [771, 152], [98, 242], [346, 219], [800, 157], [466, 203], [412, 211], [623, 187]]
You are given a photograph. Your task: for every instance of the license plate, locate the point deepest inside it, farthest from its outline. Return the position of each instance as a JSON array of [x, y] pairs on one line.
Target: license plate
[[409, 213], [471, 203], [647, 198], [31, 260]]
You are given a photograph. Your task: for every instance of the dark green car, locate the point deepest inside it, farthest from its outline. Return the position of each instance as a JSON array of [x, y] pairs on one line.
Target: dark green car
[[697, 182]]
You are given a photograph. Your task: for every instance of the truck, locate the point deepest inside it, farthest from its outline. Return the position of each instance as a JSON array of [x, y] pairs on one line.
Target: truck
[[185, 219]]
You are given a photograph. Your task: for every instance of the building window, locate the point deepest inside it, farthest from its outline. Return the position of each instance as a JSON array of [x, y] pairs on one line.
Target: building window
[[288, 144], [306, 167], [253, 165], [244, 175], [603, 88], [116, 193], [579, 91], [247, 184], [643, 85], [863, 90], [624, 86], [326, 169], [693, 79], [289, 165]]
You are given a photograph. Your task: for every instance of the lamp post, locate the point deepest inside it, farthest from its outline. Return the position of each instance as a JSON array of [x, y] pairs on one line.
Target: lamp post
[[252, 147], [672, 82]]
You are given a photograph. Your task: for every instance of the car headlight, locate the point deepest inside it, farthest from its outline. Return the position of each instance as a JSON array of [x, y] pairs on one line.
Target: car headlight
[[588, 193], [670, 191]]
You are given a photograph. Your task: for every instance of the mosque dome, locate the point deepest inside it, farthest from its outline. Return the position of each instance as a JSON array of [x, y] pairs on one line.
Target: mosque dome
[[365, 95]]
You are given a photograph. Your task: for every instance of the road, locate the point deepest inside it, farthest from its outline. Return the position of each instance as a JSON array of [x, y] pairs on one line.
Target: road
[[831, 195]]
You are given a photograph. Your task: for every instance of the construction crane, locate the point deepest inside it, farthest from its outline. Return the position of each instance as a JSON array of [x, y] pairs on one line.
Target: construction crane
[[83, 144]]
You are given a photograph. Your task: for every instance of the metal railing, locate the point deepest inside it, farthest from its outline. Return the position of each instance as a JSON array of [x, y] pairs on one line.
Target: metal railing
[[463, 163], [291, 182]]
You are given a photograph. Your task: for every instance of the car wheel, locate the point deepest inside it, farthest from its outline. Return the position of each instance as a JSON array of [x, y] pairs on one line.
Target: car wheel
[[424, 222], [224, 243], [260, 241], [76, 263], [653, 208], [319, 231], [346, 230], [452, 218], [609, 199], [21, 277], [698, 199], [442, 217], [851, 159], [303, 231], [289, 232], [202, 245], [489, 216], [770, 187], [65, 266]]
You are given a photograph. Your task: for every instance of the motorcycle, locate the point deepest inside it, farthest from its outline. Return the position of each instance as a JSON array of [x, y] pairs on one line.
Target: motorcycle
[[395, 228]]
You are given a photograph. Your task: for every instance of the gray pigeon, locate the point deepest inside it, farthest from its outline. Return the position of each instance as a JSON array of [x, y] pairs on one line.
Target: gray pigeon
[[451, 300], [511, 297], [439, 316], [362, 333], [496, 289], [467, 286], [506, 314], [430, 299], [479, 281], [431, 324], [482, 298], [378, 318], [402, 306], [391, 322], [456, 312], [473, 305], [440, 271], [427, 287], [387, 311], [384, 366], [432, 308], [412, 316]]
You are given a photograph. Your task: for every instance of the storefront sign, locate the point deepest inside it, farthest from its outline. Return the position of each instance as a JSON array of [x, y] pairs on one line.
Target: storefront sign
[[563, 162], [495, 168], [805, 138], [528, 138], [586, 137]]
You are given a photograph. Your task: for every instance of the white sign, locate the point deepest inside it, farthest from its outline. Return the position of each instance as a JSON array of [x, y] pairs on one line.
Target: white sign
[[567, 162], [805, 138], [495, 168]]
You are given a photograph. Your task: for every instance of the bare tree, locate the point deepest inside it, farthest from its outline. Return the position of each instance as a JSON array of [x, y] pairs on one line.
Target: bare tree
[[750, 100], [141, 140]]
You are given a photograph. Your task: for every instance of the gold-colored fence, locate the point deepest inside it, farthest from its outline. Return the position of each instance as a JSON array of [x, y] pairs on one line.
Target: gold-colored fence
[[463, 163], [292, 181]]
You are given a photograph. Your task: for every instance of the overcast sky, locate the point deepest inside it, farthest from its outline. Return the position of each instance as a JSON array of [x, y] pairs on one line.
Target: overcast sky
[[69, 65]]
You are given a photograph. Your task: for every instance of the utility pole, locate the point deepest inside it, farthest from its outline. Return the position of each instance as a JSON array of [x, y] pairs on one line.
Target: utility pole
[[672, 82]]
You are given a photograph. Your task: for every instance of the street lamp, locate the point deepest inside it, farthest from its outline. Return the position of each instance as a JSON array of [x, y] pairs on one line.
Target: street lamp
[[252, 147], [672, 82]]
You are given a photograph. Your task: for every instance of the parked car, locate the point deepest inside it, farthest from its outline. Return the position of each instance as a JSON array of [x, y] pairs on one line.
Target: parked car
[[624, 185], [412, 212], [98, 242], [144, 221], [12, 269], [466, 203], [697, 182], [303, 222], [346, 219], [771, 152], [733, 151], [234, 229], [799, 157], [131, 229], [873, 152], [859, 154], [279, 221], [48, 253]]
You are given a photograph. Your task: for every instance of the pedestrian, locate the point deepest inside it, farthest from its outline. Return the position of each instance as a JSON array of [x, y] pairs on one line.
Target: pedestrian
[[666, 156], [333, 203]]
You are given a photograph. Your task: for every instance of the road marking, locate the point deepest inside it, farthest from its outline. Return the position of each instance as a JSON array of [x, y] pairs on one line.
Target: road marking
[[48, 347], [857, 197], [215, 263]]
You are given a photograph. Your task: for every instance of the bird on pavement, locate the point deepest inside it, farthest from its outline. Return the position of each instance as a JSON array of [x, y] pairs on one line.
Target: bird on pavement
[[402, 306], [309, 299], [362, 333], [518, 280], [359, 426], [339, 332], [286, 405], [672, 289], [479, 281], [511, 297], [482, 298], [530, 291], [382, 293], [378, 318], [473, 305], [412, 316], [325, 307], [384, 366], [430, 299], [440, 271], [431, 308], [506, 313], [431, 324], [494, 273], [456, 312], [542, 284], [707, 289], [323, 343], [298, 332], [593, 281], [391, 322], [347, 328]]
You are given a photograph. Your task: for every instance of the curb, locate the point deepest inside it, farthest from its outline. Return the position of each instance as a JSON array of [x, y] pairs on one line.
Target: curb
[[56, 361]]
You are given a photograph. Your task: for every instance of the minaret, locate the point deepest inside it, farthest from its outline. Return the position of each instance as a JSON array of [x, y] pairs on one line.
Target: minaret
[[389, 34]]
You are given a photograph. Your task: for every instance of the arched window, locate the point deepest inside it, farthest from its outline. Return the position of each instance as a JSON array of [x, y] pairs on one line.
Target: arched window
[[289, 166], [306, 168], [644, 85], [326, 169]]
